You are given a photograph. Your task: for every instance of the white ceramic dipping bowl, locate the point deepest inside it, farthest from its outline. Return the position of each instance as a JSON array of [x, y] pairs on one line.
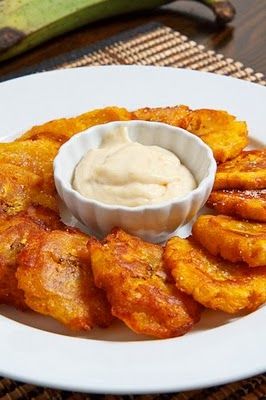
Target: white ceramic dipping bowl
[[151, 222]]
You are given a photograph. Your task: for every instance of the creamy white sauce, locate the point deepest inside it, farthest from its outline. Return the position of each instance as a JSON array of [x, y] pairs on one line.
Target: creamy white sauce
[[128, 173]]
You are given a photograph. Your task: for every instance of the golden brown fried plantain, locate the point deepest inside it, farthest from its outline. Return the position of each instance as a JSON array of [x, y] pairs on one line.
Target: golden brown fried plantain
[[140, 291], [16, 186], [20, 188], [45, 218], [232, 239], [168, 115], [221, 131], [250, 204], [55, 275], [246, 171], [14, 234], [213, 282], [34, 156], [62, 129]]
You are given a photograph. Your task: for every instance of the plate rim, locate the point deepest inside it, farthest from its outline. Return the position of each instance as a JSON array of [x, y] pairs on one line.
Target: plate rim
[[129, 66]]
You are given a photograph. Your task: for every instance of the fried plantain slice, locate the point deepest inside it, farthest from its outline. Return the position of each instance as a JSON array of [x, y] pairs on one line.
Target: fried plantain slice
[[232, 239], [226, 136], [44, 217], [20, 188], [55, 275], [168, 115], [140, 291], [221, 131], [34, 156], [246, 171], [15, 232], [249, 204], [213, 282], [62, 129]]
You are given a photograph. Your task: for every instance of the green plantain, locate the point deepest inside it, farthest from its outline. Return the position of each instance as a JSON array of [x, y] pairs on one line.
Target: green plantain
[[27, 23]]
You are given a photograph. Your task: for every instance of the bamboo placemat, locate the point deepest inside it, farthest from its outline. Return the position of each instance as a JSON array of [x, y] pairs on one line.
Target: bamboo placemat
[[152, 44]]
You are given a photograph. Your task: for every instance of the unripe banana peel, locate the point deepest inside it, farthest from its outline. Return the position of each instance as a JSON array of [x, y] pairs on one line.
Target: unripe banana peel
[[26, 23]]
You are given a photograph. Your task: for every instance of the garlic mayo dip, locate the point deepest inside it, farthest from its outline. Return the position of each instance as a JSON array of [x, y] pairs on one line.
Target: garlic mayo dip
[[127, 173]]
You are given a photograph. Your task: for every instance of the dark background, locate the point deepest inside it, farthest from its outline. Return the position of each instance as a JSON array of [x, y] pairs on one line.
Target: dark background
[[244, 39]]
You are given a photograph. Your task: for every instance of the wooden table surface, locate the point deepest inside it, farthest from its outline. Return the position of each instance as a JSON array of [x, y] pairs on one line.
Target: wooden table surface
[[244, 39]]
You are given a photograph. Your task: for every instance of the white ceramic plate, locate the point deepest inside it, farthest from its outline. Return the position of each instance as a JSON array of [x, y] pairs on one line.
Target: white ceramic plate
[[220, 349]]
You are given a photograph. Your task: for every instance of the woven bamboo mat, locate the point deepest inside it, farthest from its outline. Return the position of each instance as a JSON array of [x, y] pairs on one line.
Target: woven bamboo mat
[[152, 44]]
